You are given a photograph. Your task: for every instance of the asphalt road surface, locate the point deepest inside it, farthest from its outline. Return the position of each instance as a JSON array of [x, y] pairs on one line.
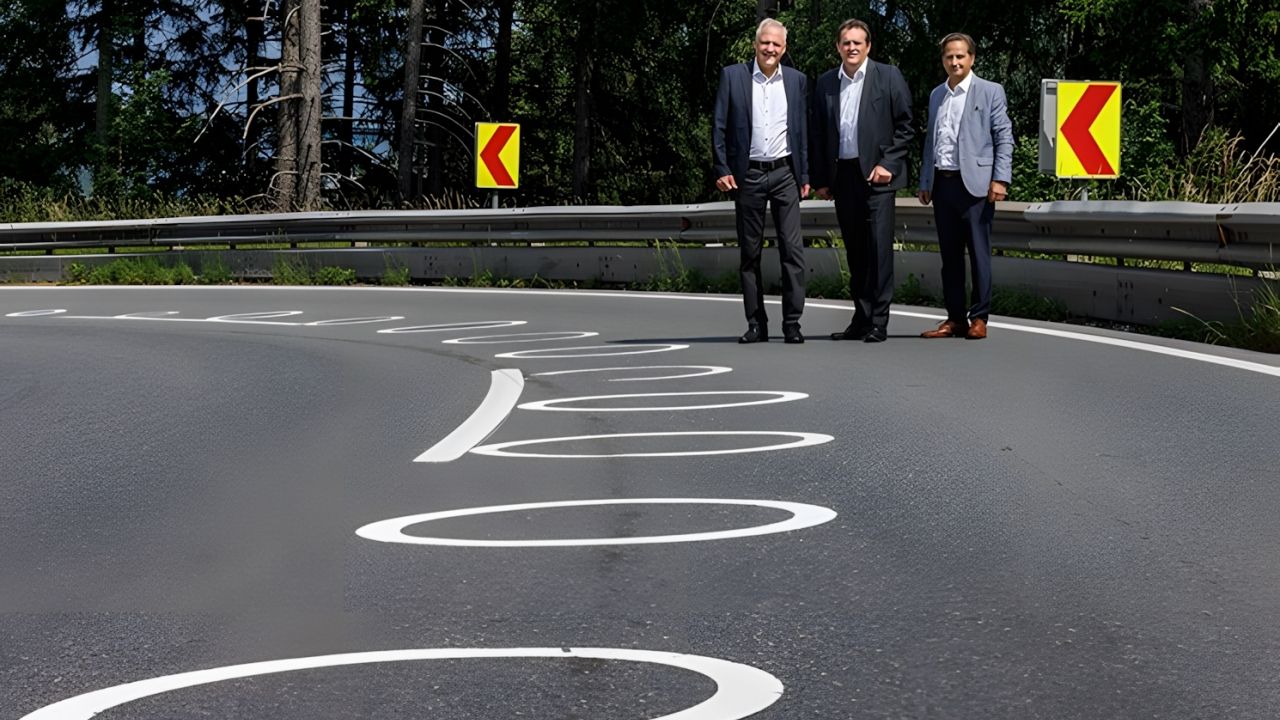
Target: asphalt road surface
[[294, 503]]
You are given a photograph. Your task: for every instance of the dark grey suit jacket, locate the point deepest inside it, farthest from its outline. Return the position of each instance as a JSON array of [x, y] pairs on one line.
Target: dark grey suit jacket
[[884, 125], [731, 125]]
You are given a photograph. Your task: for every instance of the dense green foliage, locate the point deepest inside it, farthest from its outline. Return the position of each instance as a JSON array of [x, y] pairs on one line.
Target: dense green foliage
[[614, 96]]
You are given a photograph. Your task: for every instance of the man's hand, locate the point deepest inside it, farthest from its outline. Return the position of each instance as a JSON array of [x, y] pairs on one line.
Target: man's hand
[[998, 191], [823, 193], [804, 191], [925, 197], [880, 176], [726, 183]]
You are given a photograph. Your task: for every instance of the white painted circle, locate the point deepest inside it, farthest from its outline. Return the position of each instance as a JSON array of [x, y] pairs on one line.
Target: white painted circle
[[776, 396], [36, 313], [803, 439], [254, 316], [802, 516], [355, 321], [523, 337], [445, 327], [550, 353], [703, 370], [741, 690]]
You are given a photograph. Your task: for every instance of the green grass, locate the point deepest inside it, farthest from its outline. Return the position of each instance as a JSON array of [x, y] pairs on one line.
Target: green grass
[[1258, 327], [395, 275], [290, 271], [132, 271]]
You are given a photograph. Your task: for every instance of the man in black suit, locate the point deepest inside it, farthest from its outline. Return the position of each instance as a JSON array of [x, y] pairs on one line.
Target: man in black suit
[[861, 126], [759, 144]]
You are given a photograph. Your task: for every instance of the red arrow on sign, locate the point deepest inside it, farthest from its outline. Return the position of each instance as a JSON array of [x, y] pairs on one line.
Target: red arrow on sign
[[489, 155], [1076, 129]]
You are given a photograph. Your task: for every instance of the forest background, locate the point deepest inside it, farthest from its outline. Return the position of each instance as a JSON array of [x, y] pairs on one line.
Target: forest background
[[137, 108]]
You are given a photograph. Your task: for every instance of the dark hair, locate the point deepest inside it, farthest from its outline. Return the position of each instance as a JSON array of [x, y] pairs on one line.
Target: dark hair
[[850, 24], [961, 37]]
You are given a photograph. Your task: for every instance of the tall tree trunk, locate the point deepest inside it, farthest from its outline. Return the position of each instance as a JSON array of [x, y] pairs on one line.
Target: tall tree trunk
[[1197, 82], [408, 110], [346, 126], [502, 62], [766, 8], [434, 62], [310, 162], [285, 181], [106, 62], [582, 107]]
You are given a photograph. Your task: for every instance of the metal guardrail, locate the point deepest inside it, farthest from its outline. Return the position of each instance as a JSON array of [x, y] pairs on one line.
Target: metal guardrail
[[1240, 234]]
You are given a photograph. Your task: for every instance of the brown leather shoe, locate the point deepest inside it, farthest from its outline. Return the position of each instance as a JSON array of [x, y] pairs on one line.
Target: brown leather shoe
[[977, 329], [948, 328]]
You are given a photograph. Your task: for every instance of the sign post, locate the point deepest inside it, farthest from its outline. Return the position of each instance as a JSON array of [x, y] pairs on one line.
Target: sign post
[[497, 157]]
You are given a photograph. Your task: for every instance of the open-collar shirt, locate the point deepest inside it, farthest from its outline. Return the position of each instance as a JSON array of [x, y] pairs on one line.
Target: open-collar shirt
[[768, 115], [850, 102], [950, 111]]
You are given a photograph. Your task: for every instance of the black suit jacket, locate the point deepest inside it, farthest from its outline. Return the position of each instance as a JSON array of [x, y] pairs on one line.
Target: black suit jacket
[[731, 125], [884, 125]]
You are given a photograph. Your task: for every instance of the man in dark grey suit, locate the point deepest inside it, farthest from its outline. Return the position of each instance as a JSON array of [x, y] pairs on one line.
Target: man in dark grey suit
[[968, 164], [759, 144], [860, 130]]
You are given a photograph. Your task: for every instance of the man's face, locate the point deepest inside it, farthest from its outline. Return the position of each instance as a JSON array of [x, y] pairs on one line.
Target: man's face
[[770, 47], [957, 60], [853, 48]]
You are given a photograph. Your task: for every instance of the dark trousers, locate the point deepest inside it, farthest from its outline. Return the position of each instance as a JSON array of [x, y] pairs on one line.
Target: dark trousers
[[777, 189], [866, 223], [964, 223]]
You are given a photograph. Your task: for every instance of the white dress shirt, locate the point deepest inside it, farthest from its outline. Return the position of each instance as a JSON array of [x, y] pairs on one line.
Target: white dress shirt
[[850, 102], [947, 139], [768, 115]]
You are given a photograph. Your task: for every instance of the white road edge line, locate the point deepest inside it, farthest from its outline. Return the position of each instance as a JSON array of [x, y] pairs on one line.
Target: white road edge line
[[505, 387], [741, 690]]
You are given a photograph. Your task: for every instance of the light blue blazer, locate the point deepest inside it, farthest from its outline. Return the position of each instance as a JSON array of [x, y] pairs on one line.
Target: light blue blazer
[[986, 138]]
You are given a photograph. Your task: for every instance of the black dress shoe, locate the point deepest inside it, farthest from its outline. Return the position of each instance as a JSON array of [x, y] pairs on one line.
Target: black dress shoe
[[792, 336], [853, 332], [875, 335], [754, 334]]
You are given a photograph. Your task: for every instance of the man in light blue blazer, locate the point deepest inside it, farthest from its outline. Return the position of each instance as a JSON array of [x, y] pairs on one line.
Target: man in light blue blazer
[[968, 165]]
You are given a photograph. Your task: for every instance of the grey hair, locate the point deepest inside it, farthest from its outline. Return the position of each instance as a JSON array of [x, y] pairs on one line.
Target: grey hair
[[768, 24]]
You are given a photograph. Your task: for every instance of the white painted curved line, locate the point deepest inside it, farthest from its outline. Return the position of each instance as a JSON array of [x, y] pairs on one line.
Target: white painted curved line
[[525, 337], [36, 313], [505, 387], [802, 516], [803, 439], [706, 370], [555, 405], [550, 353], [355, 321], [458, 326], [1236, 363], [254, 316], [147, 315], [741, 690]]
